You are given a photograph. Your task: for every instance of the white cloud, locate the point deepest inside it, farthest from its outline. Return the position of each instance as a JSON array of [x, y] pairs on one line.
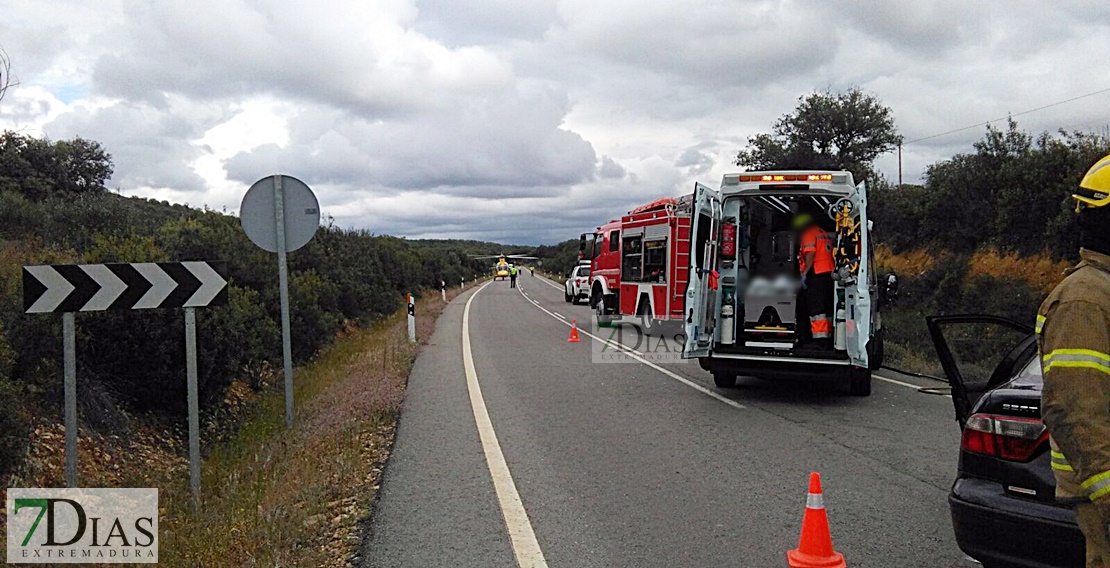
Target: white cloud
[[519, 120]]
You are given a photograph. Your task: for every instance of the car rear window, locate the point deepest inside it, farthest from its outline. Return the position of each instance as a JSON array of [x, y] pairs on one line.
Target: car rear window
[[1030, 374]]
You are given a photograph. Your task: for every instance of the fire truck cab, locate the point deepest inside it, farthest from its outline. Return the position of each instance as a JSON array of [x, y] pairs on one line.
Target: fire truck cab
[[640, 264], [742, 313]]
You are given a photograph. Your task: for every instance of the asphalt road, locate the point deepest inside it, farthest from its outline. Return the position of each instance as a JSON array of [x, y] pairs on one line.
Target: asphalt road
[[628, 464]]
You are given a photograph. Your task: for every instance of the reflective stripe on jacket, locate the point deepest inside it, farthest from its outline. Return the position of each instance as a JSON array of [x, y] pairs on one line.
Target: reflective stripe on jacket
[[817, 241], [1073, 333]]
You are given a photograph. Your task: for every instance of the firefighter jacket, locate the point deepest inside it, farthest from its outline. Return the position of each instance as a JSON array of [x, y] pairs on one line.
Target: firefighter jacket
[[1073, 333]]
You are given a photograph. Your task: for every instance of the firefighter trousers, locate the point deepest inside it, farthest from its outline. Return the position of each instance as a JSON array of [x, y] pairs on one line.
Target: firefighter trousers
[[1095, 528]]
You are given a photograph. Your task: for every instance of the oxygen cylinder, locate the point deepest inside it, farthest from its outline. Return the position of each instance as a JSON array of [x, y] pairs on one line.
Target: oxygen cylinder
[[728, 313], [840, 339]]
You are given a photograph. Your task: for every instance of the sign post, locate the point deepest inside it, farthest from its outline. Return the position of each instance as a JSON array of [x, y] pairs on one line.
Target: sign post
[[412, 319], [281, 214], [70, 288], [193, 401], [69, 357], [283, 293]]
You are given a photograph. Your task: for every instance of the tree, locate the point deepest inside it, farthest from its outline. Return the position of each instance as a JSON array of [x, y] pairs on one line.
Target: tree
[[826, 131], [1011, 194], [6, 81], [39, 168]]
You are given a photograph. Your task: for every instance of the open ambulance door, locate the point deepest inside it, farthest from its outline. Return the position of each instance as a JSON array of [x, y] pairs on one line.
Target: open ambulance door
[[701, 290], [857, 294]]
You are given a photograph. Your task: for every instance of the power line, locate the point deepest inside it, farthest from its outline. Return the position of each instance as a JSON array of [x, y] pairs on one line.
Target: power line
[[981, 124]]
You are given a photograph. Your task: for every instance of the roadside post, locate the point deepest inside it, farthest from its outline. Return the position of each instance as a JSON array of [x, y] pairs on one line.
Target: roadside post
[[412, 319], [71, 288], [462, 282], [280, 214], [443, 290]]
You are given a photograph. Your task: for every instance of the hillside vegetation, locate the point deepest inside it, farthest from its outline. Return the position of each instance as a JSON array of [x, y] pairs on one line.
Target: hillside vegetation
[[55, 208], [989, 232]]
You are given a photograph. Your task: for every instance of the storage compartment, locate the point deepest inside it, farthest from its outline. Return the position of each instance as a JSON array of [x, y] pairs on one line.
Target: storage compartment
[[759, 262]]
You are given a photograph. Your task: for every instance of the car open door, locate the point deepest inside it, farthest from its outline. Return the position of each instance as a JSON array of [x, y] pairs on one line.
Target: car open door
[[701, 290], [978, 353], [857, 293]]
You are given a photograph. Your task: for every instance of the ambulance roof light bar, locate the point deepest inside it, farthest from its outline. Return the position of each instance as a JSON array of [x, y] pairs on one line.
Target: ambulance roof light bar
[[757, 177]]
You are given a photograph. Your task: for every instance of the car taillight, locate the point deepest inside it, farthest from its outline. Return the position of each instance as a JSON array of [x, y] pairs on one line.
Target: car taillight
[[1005, 437]]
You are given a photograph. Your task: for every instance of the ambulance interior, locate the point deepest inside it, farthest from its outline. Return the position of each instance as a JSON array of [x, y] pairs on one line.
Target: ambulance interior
[[758, 265]]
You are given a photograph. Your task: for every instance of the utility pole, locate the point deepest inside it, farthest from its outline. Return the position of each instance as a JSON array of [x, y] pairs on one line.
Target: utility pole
[[899, 164]]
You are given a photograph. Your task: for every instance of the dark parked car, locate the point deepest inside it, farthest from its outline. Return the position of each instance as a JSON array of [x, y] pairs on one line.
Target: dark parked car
[[1004, 510]]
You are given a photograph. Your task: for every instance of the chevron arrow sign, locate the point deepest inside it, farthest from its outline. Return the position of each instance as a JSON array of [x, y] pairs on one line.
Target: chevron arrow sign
[[125, 286]]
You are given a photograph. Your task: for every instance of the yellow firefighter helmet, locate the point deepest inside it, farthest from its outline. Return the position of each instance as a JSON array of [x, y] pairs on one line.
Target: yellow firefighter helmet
[[1094, 190]]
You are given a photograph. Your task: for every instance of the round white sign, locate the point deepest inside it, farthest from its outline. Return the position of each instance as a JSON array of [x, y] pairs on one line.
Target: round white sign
[[258, 213]]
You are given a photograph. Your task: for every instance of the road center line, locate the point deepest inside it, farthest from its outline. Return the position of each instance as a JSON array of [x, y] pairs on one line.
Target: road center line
[[636, 356], [884, 379], [550, 283], [526, 548]]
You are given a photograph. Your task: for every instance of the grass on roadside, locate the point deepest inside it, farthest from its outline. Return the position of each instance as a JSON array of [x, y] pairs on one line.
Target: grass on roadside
[[277, 497]]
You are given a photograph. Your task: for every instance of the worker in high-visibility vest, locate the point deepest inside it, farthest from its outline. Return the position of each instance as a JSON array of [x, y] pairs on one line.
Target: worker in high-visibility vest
[[816, 265], [512, 277], [1073, 329]]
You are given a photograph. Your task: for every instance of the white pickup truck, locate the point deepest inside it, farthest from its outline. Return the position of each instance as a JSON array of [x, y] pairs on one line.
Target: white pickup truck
[[577, 286]]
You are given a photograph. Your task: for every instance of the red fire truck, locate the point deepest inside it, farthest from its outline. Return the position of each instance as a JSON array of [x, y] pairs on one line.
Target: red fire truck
[[640, 263]]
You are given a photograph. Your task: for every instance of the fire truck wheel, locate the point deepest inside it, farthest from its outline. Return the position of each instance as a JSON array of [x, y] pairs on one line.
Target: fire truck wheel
[[602, 312], [724, 380], [647, 322], [859, 381]]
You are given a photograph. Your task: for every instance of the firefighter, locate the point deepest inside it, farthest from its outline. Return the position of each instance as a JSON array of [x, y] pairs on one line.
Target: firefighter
[[1073, 328], [512, 276], [815, 265]]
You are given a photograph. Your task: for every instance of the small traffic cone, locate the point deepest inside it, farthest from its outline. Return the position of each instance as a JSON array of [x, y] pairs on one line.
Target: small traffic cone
[[573, 332], [815, 549]]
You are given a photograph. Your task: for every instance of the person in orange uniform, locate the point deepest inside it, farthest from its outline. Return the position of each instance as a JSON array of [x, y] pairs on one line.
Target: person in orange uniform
[[815, 264]]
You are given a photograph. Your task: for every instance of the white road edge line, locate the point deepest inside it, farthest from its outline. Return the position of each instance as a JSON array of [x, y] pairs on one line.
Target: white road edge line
[[903, 383], [637, 356], [526, 548]]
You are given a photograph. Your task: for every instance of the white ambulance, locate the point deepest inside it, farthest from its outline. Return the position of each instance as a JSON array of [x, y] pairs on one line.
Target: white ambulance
[[742, 313]]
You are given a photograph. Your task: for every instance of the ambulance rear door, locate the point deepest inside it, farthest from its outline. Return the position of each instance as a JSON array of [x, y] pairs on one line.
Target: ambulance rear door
[[700, 309], [857, 289]]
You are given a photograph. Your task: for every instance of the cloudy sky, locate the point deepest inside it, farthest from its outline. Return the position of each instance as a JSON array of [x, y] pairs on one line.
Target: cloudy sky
[[523, 121]]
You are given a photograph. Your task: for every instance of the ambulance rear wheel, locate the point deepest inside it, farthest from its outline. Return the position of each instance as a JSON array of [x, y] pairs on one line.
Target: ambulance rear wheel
[[859, 381], [567, 298], [876, 351], [724, 380]]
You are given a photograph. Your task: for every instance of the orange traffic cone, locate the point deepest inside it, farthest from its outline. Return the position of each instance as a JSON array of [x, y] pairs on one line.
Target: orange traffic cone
[[573, 332], [815, 549]]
